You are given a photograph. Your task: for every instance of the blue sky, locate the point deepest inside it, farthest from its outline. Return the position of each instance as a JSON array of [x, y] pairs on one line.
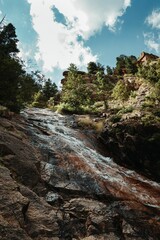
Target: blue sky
[[54, 33]]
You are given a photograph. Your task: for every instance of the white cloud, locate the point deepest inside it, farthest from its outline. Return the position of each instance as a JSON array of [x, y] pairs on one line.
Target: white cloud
[[58, 42], [152, 38], [154, 19], [27, 54], [152, 42]]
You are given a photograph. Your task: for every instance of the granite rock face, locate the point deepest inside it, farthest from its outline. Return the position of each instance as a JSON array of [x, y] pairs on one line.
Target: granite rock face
[[54, 185]]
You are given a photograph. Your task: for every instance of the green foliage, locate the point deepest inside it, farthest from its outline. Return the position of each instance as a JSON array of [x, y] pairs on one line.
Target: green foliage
[[157, 90], [109, 71], [87, 122], [26, 89], [93, 68], [126, 64], [149, 119], [103, 87], [64, 108], [115, 118], [46, 95], [39, 100], [73, 68], [155, 95], [8, 40], [100, 68], [150, 72], [10, 74], [16, 86], [75, 92], [133, 94], [3, 111], [128, 109], [49, 89], [120, 91], [148, 104]]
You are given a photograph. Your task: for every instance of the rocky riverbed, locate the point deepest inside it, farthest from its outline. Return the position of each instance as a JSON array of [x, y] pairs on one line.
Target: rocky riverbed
[[55, 184]]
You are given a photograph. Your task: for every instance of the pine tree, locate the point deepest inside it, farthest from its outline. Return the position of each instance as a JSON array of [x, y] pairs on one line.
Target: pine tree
[[75, 92]]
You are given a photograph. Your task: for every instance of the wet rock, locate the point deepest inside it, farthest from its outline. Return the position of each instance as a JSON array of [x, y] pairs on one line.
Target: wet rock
[[20, 158], [56, 186], [12, 202]]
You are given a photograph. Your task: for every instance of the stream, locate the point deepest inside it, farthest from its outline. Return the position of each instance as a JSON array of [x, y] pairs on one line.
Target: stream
[[72, 162]]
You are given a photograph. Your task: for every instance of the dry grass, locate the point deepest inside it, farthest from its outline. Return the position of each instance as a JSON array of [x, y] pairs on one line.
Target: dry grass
[[88, 122]]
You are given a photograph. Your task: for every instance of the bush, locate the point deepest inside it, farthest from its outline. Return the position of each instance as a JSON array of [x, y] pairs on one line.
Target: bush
[[120, 91], [65, 108], [3, 111], [133, 94], [149, 119], [148, 104], [150, 72], [88, 122], [115, 118], [39, 100], [124, 110]]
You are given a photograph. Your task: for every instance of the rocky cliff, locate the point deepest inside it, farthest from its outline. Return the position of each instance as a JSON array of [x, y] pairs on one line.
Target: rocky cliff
[[55, 185], [135, 145]]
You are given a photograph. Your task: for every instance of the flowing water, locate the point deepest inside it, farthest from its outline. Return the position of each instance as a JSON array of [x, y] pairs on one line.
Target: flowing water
[[73, 161]]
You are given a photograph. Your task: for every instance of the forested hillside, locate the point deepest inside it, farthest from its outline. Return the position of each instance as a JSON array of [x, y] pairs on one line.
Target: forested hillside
[[133, 85], [18, 88], [91, 172]]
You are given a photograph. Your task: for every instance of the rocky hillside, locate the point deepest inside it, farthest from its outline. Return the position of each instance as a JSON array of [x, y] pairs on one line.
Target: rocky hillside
[[134, 145], [132, 127], [47, 193]]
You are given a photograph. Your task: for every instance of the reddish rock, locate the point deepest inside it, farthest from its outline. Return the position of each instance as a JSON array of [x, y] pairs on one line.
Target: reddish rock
[[90, 196]]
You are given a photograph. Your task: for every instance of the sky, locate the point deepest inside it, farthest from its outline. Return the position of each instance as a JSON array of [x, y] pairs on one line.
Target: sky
[[54, 33]]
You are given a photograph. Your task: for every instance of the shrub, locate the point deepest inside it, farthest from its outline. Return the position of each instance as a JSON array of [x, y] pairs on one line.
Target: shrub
[[3, 111], [64, 108], [120, 91], [88, 122], [115, 118], [128, 109], [148, 104]]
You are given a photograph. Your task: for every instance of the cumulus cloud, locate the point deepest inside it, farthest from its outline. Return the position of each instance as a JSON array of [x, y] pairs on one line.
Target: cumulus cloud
[[64, 26], [152, 38]]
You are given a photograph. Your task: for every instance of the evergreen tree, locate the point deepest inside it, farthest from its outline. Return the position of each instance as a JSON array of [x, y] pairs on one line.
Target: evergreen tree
[[16, 86], [49, 90], [126, 64], [109, 71], [75, 92], [93, 68], [130, 65], [103, 87], [120, 65], [27, 89], [8, 40]]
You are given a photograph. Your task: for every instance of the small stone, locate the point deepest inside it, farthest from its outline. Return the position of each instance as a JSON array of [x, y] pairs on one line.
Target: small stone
[[52, 197]]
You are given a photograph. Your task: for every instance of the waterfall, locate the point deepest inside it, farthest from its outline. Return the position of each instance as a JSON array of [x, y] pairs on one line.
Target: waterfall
[[72, 161]]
